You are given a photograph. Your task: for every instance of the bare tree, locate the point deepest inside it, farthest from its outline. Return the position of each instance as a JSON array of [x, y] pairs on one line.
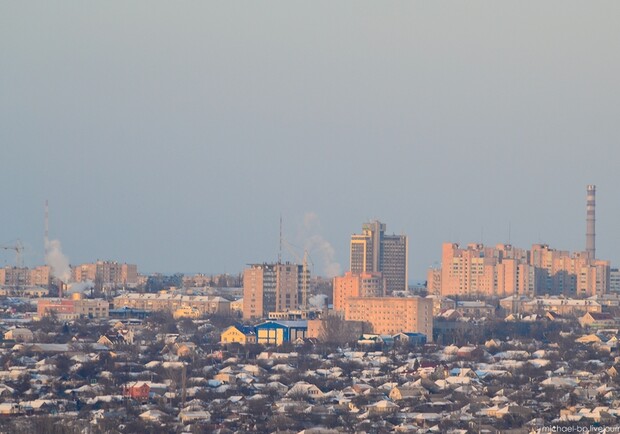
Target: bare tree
[[335, 330]]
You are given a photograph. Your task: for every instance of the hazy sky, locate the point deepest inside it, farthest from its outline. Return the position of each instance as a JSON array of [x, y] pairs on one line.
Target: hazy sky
[[174, 134]]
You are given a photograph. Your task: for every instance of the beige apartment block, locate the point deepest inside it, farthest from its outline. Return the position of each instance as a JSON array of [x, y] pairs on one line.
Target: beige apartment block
[[76, 307], [107, 273], [172, 302], [357, 285], [391, 315], [274, 287], [503, 270], [22, 276]]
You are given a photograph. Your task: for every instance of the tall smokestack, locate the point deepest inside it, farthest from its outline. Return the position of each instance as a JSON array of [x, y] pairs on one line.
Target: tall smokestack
[[590, 221]]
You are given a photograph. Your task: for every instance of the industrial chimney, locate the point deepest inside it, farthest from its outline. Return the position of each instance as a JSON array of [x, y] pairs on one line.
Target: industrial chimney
[[590, 220]]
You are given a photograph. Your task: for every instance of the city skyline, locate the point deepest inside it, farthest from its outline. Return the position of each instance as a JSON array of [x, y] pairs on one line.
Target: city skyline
[[175, 139]]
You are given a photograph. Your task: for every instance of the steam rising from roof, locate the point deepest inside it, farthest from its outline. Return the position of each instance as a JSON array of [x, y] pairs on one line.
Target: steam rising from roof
[[57, 261], [319, 248]]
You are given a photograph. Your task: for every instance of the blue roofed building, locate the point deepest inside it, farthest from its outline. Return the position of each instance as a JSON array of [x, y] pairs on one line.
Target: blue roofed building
[[278, 332], [410, 338]]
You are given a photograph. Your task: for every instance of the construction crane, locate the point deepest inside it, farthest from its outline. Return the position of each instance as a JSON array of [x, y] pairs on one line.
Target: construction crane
[[19, 248]]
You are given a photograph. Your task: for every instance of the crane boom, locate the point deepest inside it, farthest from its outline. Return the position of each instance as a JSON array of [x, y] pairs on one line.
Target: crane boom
[[19, 248]]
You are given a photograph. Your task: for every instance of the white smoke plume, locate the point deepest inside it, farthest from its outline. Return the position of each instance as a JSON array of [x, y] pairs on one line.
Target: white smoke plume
[[318, 301], [81, 286], [57, 261], [318, 247]]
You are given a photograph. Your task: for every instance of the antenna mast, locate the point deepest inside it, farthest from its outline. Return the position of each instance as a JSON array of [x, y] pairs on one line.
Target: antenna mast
[[47, 228], [280, 251], [304, 282]]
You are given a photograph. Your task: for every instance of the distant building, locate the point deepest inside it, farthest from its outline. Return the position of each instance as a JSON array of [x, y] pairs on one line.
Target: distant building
[[391, 315], [77, 307], [272, 287], [373, 251], [18, 277], [433, 281], [186, 312], [171, 303], [107, 273], [475, 309], [441, 304], [19, 335], [504, 270], [412, 339], [278, 332], [25, 291], [559, 305], [614, 280], [357, 285], [240, 334], [597, 320]]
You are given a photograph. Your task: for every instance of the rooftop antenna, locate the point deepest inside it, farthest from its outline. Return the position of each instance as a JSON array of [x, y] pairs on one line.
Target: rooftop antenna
[[509, 232], [280, 251], [47, 228]]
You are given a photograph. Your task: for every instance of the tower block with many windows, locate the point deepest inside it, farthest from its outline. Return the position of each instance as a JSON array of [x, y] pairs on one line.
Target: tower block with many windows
[[373, 251], [275, 287]]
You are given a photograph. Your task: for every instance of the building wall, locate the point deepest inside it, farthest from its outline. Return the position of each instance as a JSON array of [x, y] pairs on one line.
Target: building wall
[[107, 273], [372, 251], [614, 280], [502, 271], [67, 309], [391, 315], [253, 291], [393, 265], [357, 285], [171, 303], [287, 287], [433, 281], [272, 288]]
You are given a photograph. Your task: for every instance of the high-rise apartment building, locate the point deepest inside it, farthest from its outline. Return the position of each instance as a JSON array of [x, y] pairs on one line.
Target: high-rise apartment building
[[357, 285], [373, 251], [22, 276], [614, 280], [272, 288], [106, 273], [504, 270]]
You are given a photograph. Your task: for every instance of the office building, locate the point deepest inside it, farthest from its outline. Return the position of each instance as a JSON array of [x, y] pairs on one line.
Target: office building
[[373, 251]]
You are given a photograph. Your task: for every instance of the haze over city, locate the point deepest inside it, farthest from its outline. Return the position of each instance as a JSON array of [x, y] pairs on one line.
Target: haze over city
[[174, 136]]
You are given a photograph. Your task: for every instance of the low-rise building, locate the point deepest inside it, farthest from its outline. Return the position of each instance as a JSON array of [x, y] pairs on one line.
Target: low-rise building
[[278, 332], [238, 334], [597, 320], [74, 308], [475, 309], [172, 302], [19, 335]]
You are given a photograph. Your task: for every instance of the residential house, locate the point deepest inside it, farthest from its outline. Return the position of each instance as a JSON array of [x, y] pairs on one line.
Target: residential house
[[597, 320], [19, 335], [239, 334]]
